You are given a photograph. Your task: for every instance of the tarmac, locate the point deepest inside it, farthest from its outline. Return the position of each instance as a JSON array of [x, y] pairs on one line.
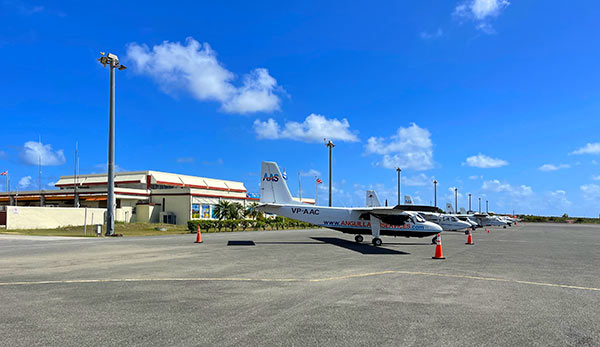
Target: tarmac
[[529, 285]]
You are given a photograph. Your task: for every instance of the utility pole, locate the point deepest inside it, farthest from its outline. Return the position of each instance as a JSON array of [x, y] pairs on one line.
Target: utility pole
[[399, 184], [435, 182], [455, 200], [316, 191], [113, 62], [330, 145], [299, 188], [75, 196], [469, 202]]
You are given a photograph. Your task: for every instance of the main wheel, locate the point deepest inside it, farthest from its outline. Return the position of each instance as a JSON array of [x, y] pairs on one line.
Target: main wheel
[[377, 241], [358, 238], [434, 240]]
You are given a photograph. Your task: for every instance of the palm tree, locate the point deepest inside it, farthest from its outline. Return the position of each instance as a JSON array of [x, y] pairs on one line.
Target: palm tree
[[234, 211], [252, 212], [222, 209]]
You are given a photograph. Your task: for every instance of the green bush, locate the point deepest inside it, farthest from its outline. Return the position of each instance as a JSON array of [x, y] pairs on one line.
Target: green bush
[[276, 223]]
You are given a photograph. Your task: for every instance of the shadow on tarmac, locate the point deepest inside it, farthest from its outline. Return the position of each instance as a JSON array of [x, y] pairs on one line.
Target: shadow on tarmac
[[357, 247], [240, 243]]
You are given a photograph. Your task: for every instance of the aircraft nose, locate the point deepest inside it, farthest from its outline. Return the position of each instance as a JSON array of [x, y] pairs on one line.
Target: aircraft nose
[[435, 227]]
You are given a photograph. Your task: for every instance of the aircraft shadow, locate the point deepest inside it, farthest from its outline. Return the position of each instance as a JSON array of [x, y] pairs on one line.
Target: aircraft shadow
[[240, 243], [357, 247], [288, 243]]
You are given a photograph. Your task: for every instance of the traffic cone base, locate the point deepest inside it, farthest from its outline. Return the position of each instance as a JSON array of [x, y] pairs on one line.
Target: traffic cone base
[[438, 249], [198, 236], [469, 239]]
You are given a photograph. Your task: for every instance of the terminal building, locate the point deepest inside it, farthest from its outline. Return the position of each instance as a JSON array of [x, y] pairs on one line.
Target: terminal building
[[141, 196], [148, 196]]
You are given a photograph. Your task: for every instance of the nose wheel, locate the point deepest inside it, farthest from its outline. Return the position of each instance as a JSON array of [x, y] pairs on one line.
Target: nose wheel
[[358, 238], [377, 241]]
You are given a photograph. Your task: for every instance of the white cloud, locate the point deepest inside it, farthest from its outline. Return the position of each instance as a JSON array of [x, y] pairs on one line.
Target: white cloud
[[434, 35], [558, 198], [552, 167], [480, 11], [194, 67], [498, 187], [216, 162], [418, 180], [104, 168], [475, 177], [311, 173], [450, 195], [314, 129], [409, 148], [51, 184], [590, 191], [590, 148], [36, 152], [24, 182], [484, 162], [186, 160], [596, 178]]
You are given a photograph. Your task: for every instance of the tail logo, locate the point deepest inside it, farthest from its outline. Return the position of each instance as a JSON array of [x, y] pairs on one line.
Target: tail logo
[[271, 178]]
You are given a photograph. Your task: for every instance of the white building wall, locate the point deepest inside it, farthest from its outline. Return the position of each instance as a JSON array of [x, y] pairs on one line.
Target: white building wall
[[30, 217]]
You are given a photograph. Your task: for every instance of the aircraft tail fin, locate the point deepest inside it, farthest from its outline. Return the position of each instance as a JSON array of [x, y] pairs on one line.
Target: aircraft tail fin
[[463, 211], [449, 208], [273, 188], [408, 200], [372, 200]]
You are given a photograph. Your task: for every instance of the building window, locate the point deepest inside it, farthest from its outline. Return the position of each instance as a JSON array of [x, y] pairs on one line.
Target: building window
[[195, 211], [206, 211]]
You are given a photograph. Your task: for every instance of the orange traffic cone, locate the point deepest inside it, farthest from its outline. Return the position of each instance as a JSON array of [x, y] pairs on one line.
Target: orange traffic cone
[[438, 248], [198, 236], [469, 239]]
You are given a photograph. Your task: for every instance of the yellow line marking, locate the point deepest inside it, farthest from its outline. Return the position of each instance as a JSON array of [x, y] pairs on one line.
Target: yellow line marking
[[289, 280]]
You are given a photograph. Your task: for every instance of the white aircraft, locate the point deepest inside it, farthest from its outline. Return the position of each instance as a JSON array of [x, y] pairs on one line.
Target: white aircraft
[[462, 216], [447, 222], [275, 198]]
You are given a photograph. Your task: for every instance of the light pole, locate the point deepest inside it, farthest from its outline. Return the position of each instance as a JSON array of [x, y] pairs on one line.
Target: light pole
[[330, 145], [469, 202], [113, 62], [479, 205], [399, 176], [455, 200], [435, 192], [486, 206]]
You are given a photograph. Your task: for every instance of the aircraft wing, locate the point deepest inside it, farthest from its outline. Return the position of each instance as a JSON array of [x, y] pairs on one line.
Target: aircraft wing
[[387, 215]]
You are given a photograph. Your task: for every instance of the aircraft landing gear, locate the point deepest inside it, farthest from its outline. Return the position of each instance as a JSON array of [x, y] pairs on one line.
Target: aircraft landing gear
[[358, 238], [377, 241], [434, 240]]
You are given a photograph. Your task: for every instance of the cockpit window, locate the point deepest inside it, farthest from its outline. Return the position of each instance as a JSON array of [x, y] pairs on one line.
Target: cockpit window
[[419, 218]]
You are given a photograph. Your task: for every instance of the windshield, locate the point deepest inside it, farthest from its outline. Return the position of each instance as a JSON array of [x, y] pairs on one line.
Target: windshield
[[419, 218]]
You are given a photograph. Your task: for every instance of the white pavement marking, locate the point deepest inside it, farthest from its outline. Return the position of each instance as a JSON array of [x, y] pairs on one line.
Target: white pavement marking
[[325, 279]]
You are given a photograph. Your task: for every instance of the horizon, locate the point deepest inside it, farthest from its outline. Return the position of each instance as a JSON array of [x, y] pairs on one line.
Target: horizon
[[489, 96]]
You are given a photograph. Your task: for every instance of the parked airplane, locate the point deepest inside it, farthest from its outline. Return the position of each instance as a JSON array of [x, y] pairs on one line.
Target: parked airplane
[[431, 214], [275, 198]]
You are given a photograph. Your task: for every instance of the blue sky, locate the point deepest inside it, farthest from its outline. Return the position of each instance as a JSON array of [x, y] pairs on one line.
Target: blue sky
[[497, 98]]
